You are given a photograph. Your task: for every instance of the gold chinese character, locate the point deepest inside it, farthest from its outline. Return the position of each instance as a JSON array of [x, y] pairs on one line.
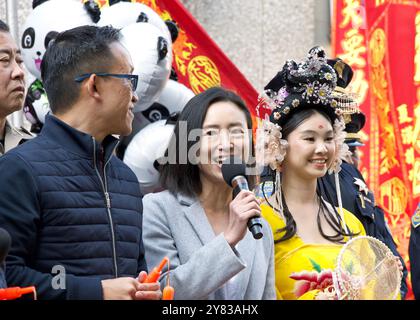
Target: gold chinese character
[[403, 114], [351, 14], [354, 46], [409, 156], [203, 74], [407, 135]]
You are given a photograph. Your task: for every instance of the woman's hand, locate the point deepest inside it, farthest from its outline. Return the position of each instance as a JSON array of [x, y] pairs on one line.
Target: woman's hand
[[400, 266], [241, 209]]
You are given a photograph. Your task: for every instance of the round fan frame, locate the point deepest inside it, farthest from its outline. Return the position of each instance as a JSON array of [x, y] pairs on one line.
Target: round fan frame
[[351, 293]]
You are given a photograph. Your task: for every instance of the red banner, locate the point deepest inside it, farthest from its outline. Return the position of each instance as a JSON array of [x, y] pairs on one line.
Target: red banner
[[199, 62], [380, 39]]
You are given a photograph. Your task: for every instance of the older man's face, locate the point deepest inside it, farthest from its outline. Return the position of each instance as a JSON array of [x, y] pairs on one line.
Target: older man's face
[[12, 82]]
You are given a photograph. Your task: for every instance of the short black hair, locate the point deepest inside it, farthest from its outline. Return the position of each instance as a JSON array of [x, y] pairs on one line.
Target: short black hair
[[72, 53], [185, 178], [4, 27]]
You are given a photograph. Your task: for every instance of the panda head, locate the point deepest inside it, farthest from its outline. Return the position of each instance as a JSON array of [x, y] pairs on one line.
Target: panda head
[[122, 13], [47, 19]]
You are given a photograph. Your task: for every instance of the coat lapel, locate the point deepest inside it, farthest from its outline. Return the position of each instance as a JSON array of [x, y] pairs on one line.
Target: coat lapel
[[195, 214]]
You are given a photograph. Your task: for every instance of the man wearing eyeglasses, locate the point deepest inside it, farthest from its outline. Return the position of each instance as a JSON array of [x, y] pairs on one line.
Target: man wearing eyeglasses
[[73, 209]]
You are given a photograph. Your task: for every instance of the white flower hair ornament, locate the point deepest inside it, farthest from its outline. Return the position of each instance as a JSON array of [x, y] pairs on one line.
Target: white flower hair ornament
[[270, 146], [341, 149]]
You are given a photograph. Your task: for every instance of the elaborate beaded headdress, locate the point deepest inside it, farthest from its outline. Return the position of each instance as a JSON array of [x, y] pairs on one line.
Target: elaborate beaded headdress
[[316, 82]]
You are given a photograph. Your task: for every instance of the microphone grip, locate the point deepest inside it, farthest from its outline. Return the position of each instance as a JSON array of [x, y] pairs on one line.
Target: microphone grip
[[236, 191], [255, 226]]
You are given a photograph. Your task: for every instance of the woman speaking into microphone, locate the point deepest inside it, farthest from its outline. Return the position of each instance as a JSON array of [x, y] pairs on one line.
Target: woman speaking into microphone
[[196, 222]]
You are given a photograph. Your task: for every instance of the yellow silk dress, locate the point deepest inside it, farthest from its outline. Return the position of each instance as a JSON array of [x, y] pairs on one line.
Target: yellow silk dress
[[302, 270]]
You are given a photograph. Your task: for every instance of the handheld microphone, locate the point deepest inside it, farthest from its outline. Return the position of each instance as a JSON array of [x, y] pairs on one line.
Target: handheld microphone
[[234, 175], [5, 242]]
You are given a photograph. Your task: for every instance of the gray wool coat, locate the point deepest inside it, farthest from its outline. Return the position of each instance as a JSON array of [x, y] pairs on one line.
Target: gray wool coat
[[200, 262]]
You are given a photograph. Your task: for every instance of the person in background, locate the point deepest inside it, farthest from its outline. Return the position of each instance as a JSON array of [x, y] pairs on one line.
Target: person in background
[[12, 90], [73, 210], [358, 198], [12, 96]]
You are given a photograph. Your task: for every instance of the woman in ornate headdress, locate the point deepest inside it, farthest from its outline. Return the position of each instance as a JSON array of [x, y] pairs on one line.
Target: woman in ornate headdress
[[302, 140]]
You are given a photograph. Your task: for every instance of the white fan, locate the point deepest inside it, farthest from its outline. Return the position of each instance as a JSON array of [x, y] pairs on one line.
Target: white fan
[[366, 270]]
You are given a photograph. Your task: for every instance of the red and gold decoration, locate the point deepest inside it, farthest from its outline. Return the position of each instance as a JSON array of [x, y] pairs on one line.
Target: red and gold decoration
[[380, 40]]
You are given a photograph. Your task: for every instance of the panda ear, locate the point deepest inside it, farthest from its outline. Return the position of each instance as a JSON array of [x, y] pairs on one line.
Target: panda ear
[[173, 29], [36, 3], [173, 75], [93, 10]]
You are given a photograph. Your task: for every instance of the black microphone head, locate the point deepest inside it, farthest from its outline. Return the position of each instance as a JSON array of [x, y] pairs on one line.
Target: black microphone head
[[232, 168], [5, 242]]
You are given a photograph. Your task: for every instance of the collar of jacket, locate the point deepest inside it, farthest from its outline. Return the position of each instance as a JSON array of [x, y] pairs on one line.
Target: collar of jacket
[[77, 142], [13, 137], [186, 200]]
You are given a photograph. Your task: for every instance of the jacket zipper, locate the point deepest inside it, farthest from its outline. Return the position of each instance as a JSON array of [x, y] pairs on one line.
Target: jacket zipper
[[108, 205]]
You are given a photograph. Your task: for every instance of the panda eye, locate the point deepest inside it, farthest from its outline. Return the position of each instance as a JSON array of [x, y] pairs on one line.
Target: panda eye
[[156, 112], [50, 36], [28, 38]]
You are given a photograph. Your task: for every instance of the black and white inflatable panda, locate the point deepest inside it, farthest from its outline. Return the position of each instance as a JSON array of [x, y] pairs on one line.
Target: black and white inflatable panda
[[47, 19], [149, 40]]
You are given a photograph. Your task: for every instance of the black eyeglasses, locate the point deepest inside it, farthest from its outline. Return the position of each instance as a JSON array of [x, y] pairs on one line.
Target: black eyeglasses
[[132, 77]]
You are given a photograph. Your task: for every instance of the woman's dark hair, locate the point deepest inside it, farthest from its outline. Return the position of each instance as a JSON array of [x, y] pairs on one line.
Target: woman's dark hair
[[180, 175], [290, 229], [299, 117]]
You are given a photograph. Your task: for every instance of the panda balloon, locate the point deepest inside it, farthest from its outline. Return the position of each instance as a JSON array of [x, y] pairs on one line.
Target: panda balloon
[[47, 19], [145, 150], [172, 99], [122, 14], [149, 41], [151, 54]]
